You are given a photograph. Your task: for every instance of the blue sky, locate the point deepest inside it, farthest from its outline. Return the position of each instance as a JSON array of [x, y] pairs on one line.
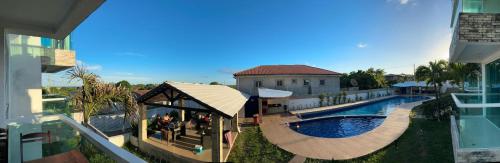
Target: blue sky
[[202, 41]]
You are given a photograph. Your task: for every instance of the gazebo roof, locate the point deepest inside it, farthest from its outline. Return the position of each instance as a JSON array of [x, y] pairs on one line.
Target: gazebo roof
[[218, 98]]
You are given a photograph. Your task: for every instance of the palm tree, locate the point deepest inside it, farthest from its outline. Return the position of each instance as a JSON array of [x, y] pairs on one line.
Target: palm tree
[[434, 73], [95, 95], [458, 72]]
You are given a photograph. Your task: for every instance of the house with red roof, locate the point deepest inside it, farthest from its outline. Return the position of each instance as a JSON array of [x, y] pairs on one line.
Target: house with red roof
[[280, 87]]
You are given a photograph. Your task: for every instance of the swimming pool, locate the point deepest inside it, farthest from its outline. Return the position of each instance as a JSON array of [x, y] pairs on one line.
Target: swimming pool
[[349, 121], [383, 107]]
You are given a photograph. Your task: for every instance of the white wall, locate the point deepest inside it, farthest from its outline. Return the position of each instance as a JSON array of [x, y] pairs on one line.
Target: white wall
[[24, 76], [332, 84]]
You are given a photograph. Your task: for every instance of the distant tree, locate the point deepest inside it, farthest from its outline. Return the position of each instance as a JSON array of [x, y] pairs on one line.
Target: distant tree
[[150, 86], [345, 81], [124, 84], [214, 83], [378, 75]]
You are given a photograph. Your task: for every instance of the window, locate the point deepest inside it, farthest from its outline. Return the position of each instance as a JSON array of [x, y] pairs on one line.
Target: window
[[258, 84], [279, 83], [294, 81], [322, 82], [307, 82]]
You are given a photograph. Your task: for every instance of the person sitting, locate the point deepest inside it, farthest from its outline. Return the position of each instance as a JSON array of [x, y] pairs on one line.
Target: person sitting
[[166, 120]]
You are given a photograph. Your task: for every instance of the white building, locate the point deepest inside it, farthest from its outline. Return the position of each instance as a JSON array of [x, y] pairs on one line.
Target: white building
[[305, 84]]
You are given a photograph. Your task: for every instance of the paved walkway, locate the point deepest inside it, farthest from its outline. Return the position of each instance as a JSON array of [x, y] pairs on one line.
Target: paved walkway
[[277, 132], [339, 106]]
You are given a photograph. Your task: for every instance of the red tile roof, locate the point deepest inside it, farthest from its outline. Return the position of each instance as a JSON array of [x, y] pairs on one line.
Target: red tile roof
[[285, 70]]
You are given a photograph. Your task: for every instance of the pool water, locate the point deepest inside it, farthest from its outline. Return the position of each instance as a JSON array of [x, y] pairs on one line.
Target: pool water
[[383, 107], [337, 127], [349, 121]]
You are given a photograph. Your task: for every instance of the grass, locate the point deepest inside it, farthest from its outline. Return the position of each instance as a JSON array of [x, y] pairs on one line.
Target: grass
[[251, 146], [424, 141]]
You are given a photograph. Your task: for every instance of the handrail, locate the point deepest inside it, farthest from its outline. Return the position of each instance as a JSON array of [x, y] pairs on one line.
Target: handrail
[[478, 105], [115, 152]]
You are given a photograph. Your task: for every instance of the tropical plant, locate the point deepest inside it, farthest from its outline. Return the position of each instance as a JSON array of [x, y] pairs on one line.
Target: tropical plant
[[344, 96], [321, 99], [95, 95], [459, 72], [433, 74]]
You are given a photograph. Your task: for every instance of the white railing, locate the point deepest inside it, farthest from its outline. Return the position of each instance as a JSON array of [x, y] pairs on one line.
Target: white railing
[[460, 104], [111, 150]]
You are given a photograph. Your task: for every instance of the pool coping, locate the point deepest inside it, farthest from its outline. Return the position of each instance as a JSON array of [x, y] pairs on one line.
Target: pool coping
[[341, 106], [276, 130]]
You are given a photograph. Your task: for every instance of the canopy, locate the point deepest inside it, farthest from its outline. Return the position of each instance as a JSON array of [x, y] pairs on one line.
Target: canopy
[[273, 93], [218, 98]]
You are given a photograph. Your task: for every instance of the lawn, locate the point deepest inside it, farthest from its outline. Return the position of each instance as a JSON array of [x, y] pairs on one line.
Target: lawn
[[251, 146], [424, 141]]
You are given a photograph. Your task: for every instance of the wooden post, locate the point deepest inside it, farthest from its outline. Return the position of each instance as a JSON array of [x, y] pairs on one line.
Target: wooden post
[[143, 123], [260, 110], [217, 153], [182, 113], [234, 123]]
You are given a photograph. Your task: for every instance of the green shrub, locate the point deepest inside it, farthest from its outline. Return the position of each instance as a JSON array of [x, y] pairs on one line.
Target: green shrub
[[429, 108]]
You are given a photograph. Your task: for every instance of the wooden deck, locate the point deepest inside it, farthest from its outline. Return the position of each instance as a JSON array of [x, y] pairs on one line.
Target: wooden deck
[[183, 148], [277, 132]]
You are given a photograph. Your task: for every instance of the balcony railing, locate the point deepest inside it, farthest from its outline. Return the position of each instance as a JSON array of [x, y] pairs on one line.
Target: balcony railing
[[52, 59], [67, 136]]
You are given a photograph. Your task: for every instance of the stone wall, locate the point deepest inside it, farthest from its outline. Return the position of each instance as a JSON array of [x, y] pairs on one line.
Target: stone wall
[[479, 27]]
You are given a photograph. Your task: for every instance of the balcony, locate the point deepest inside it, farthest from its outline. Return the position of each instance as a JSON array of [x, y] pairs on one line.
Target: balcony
[[476, 37], [52, 60], [58, 60], [67, 139], [475, 129]]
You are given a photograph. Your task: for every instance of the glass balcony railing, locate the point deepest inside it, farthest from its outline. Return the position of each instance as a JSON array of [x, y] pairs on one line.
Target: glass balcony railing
[[68, 139], [474, 6]]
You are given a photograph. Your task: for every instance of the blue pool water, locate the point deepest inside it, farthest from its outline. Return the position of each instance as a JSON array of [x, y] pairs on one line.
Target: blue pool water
[[383, 107], [337, 127], [349, 121]]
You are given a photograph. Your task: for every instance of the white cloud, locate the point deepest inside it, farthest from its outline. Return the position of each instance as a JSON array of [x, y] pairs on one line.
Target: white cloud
[[90, 67], [362, 45], [403, 2]]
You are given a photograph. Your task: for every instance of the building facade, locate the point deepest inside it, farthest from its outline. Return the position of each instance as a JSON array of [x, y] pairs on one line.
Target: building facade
[[267, 84], [476, 39], [303, 81]]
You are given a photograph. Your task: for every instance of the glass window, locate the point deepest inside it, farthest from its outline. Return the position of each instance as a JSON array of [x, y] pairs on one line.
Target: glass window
[[472, 6], [307, 82], [493, 82], [322, 82], [258, 84], [279, 83]]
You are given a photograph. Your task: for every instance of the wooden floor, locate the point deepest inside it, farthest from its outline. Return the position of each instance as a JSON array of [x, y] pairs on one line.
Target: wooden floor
[[184, 147], [277, 132]]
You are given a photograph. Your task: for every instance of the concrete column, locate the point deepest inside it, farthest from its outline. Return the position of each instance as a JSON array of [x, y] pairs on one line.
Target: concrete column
[[143, 124], [217, 153], [3, 75], [483, 73], [182, 113], [260, 110]]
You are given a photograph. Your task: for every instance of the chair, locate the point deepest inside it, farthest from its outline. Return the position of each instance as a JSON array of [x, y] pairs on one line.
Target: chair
[[33, 137]]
